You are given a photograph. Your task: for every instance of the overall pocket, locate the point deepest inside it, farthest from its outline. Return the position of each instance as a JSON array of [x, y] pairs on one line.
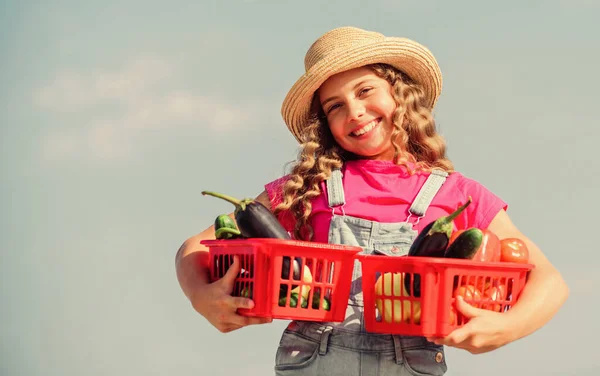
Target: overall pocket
[[423, 358], [398, 247], [295, 353]]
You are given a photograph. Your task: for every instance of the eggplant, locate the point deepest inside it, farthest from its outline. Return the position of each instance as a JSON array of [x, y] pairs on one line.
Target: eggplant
[[432, 242], [253, 219], [285, 268], [434, 238]]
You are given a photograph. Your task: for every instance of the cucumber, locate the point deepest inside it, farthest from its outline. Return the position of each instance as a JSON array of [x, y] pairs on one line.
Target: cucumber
[[466, 245]]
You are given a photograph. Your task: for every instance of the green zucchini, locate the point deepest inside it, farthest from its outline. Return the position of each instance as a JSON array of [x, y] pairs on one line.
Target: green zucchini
[[466, 245]]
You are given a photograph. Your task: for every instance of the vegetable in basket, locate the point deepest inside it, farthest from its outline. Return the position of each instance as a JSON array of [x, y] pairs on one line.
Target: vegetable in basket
[[325, 303], [392, 286], [514, 250], [293, 301], [432, 242], [465, 244], [474, 244], [225, 228], [254, 220], [434, 238], [283, 288]]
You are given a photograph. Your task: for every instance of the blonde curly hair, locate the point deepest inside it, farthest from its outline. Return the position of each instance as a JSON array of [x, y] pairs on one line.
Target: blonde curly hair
[[414, 138]]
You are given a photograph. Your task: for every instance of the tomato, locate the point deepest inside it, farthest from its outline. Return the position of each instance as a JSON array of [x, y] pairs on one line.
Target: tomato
[[496, 293], [469, 292], [489, 251], [514, 250], [453, 316]]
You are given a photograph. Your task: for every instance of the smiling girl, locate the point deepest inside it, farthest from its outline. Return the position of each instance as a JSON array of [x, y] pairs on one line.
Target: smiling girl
[[372, 172]]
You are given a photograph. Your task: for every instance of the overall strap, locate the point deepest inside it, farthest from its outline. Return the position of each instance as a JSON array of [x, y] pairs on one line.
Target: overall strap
[[427, 193], [335, 189]]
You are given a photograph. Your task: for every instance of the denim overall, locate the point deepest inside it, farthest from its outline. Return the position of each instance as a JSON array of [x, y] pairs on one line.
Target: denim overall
[[332, 349]]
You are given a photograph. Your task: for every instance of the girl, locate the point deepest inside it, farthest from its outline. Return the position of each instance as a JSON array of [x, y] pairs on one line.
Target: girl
[[372, 172]]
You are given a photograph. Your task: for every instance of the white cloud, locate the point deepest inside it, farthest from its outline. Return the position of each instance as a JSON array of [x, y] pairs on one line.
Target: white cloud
[[139, 103], [72, 91]]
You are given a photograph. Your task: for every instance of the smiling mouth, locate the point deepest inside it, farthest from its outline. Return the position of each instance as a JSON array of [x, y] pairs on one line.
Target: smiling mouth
[[367, 128]]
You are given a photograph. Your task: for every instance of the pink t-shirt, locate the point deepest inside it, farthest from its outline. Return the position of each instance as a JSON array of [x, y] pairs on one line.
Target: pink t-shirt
[[382, 191]]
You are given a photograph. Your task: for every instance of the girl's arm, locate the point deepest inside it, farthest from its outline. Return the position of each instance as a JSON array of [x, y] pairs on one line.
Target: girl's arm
[[545, 290], [212, 300], [543, 294]]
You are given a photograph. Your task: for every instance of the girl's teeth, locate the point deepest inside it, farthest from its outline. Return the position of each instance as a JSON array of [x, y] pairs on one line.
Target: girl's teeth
[[365, 129]]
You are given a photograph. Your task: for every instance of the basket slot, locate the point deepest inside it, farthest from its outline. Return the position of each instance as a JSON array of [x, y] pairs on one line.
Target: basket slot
[[243, 288], [247, 267], [320, 298], [412, 284], [288, 299], [393, 303], [222, 263], [483, 291], [291, 268], [471, 288], [331, 272], [323, 270], [314, 286]]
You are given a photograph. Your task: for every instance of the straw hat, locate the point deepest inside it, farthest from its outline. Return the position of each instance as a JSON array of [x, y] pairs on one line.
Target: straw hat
[[346, 48]]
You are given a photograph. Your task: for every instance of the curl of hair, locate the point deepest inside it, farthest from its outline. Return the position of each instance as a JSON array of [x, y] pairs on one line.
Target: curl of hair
[[414, 138]]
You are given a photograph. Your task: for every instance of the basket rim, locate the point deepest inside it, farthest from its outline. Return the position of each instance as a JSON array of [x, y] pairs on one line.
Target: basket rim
[[447, 262], [282, 243]]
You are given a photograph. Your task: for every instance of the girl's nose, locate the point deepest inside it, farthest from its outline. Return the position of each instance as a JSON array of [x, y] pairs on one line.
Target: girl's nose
[[356, 110]]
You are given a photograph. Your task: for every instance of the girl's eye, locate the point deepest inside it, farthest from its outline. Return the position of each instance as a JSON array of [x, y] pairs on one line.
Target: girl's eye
[[365, 90], [333, 107]]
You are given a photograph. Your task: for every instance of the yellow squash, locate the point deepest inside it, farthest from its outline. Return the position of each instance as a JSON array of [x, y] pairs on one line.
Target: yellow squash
[[393, 285]]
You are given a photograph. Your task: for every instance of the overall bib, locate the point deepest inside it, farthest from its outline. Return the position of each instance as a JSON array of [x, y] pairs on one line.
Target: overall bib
[[346, 349]]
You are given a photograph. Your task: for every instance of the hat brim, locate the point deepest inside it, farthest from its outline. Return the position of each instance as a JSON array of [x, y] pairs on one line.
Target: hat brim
[[413, 59]]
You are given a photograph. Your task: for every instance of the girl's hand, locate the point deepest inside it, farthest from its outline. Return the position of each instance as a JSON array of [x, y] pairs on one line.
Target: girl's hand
[[485, 331], [215, 303]]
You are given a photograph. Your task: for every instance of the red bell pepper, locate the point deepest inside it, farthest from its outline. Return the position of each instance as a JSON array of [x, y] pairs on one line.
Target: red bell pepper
[[489, 251]]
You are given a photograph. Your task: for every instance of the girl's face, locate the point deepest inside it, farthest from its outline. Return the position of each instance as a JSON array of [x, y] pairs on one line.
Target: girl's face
[[359, 106]]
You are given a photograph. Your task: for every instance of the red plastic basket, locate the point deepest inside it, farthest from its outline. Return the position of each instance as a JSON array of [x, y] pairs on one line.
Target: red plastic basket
[[416, 295], [316, 291]]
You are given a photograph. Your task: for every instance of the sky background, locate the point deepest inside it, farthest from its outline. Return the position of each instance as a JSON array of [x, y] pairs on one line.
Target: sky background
[[114, 115]]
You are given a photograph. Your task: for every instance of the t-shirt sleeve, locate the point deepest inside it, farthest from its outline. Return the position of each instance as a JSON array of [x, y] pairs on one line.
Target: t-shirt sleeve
[[274, 190], [485, 204]]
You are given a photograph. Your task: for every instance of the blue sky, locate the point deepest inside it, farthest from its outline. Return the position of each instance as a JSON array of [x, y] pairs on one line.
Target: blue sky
[[115, 115]]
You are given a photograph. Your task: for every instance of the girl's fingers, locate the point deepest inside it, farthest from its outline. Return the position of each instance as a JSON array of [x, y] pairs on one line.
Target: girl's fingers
[[239, 302]]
